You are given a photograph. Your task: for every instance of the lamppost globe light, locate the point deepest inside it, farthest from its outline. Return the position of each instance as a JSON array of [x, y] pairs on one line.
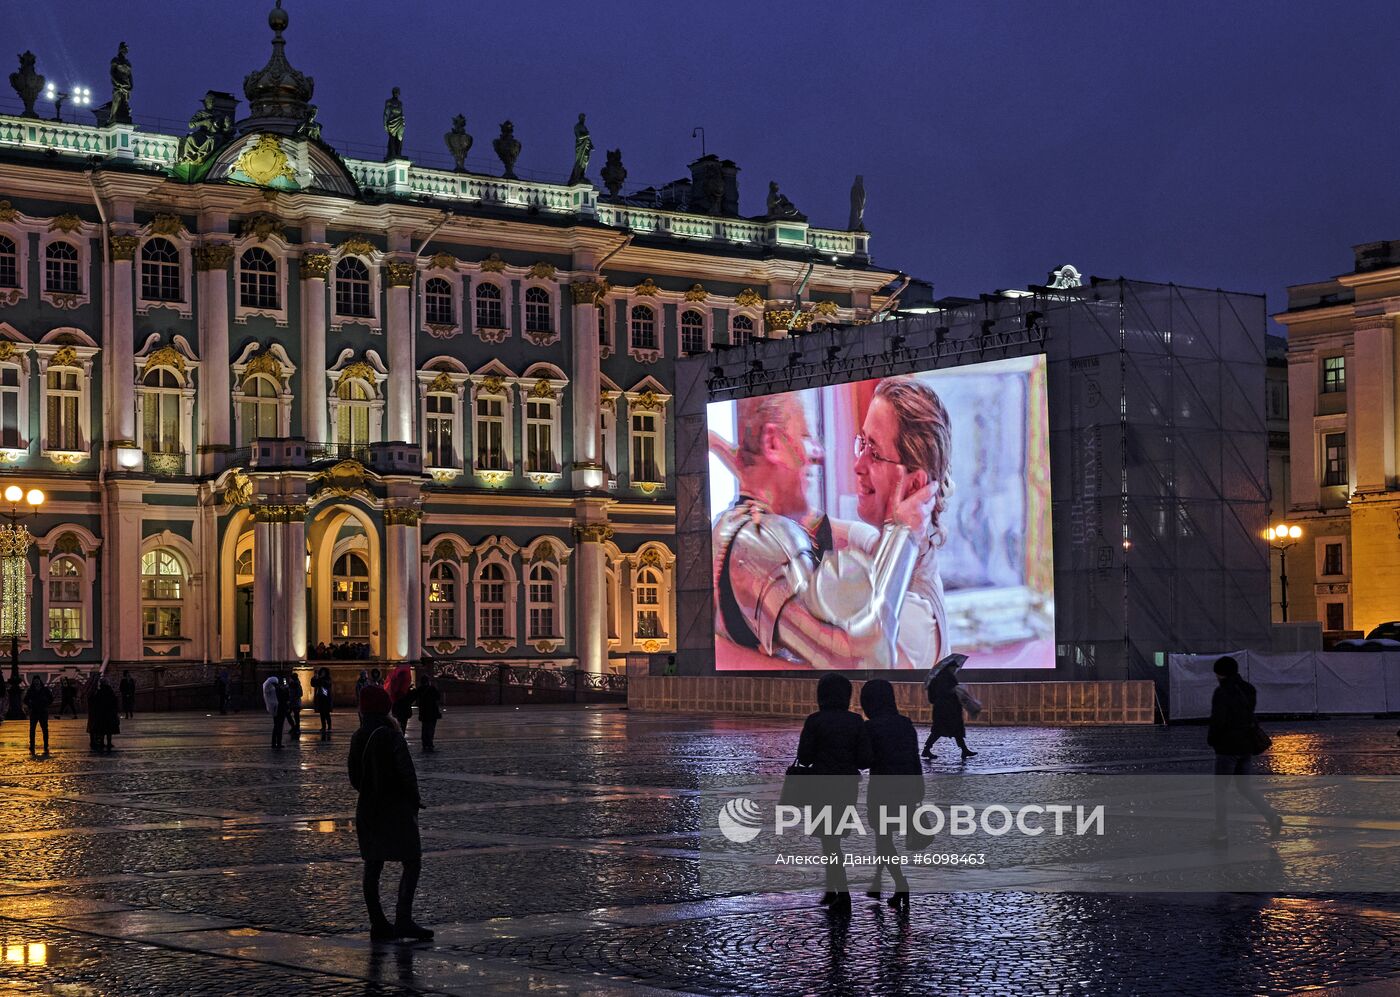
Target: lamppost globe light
[[35, 497], [1281, 530], [1294, 532], [14, 493]]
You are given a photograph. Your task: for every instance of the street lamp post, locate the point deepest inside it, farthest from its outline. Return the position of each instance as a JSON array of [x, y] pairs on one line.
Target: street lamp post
[[80, 96], [1282, 537], [14, 597]]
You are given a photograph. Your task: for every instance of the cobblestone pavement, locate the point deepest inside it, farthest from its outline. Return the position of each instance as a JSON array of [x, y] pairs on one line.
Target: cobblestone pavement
[[563, 857]]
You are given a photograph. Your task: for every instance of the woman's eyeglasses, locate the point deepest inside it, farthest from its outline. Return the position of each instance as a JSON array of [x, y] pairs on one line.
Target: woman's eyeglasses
[[864, 448]]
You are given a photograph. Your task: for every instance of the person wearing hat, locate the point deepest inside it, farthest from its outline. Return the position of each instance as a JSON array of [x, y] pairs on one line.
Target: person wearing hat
[[1235, 735], [947, 705], [386, 815]]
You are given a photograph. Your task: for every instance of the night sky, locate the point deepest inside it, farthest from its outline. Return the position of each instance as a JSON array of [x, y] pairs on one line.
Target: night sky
[[1239, 145]]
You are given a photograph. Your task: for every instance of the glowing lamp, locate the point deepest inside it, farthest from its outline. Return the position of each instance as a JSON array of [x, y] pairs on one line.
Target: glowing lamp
[[35, 497], [14, 493]]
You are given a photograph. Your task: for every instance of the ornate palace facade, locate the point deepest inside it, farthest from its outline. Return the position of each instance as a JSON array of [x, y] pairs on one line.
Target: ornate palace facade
[[282, 400]]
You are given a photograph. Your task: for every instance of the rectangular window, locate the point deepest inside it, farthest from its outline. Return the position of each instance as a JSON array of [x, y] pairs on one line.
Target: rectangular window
[[442, 622], [1336, 616], [645, 440], [1332, 559], [539, 435], [1334, 459], [161, 622], [9, 407], [63, 395], [490, 434], [65, 623], [542, 621], [439, 431], [493, 621], [1334, 374]]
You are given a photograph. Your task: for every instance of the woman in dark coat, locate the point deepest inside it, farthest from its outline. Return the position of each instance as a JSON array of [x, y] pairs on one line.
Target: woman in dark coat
[[896, 780], [1233, 733], [947, 707], [386, 816], [321, 700], [835, 744], [104, 715], [37, 700]]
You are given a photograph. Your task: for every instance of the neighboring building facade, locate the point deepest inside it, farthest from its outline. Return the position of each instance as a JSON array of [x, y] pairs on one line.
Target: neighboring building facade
[[1276, 415], [1343, 420], [283, 401]]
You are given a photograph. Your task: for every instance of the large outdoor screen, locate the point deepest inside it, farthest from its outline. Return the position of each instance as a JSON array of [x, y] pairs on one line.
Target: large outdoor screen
[[884, 524]]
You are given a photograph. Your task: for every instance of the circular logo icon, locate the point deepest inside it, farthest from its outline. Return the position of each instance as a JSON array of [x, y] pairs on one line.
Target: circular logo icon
[[740, 820]]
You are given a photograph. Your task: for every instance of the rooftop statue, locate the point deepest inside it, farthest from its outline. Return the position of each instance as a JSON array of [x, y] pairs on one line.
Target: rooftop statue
[[310, 128], [507, 147], [28, 83], [614, 173], [459, 143], [583, 152], [120, 110], [780, 207], [209, 129], [857, 222], [393, 126]]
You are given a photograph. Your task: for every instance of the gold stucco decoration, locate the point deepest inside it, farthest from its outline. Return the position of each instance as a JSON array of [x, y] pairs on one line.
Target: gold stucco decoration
[[8, 212], [748, 299], [399, 272], [443, 382], [67, 222], [264, 362], [346, 478], [493, 385], [543, 389], [646, 289], [261, 226], [648, 400], [239, 490], [592, 533], [442, 261], [64, 356], [493, 264], [166, 356], [315, 266], [590, 292], [123, 247], [542, 271], [445, 551], [356, 245], [403, 516], [826, 309], [360, 370], [651, 558], [165, 224], [696, 292], [264, 161], [7, 350], [214, 256]]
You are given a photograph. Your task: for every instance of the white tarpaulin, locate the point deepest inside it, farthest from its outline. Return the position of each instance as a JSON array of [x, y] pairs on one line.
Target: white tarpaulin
[[1311, 682]]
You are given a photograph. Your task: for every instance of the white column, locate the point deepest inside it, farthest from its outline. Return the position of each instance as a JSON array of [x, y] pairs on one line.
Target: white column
[[1373, 374], [266, 582], [123, 551], [293, 605], [212, 261], [588, 457], [121, 393], [398, 328], [403, 597], [590, 585], [315, 267]]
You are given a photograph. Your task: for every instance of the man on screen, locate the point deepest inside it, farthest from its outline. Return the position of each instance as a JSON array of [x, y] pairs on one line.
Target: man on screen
[[776, 592]]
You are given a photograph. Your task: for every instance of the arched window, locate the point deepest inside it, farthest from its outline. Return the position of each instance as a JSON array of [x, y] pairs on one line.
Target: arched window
[[258, 417], [243, 566], [162, 594], [160, 271], [647, 596], [437, 295], [643, 328], [537, 318], [160, 412], [352, 288], [350, 598], [352, 418], [740, 330], [692, 332], [441, 415], [540, 602], [490, 432], [11, 432], [491, 601], [65, 599], [488, 307], [61, 269], [257, 279], [9, 262], [442, 601], [63, 393]]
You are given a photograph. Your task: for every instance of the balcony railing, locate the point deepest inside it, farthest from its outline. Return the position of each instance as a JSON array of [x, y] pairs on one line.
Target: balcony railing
[[335, 452]]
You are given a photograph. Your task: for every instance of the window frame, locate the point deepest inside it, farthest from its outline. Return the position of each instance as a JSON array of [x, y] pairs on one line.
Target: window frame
[[450, 609], [277, 251], [355, 603], [485, 331], [1334, 379], [1339, 475], [78, 357], [540, 321], [182, 266], [494, 555], [701, 314], [350, 287], [176, 602], [643, 353]]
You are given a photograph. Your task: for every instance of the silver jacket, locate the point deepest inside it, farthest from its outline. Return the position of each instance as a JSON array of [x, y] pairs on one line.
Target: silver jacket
[[837, 610]]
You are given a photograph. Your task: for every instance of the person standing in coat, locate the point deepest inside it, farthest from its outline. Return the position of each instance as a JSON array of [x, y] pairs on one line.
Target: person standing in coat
[[104, 715], [294, 697], [386, 814], [277, 698], [429, 710], [1235, 735], [896, 781], [400, 689], [37, 700], [68, 691], [322, 701], [835, 744], [947, 706]]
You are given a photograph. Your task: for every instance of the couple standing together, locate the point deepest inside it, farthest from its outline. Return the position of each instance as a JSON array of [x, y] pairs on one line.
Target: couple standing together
[[798, 586]]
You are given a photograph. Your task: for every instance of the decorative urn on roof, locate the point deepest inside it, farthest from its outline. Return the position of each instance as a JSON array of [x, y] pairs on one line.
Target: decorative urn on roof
[[278, 95]]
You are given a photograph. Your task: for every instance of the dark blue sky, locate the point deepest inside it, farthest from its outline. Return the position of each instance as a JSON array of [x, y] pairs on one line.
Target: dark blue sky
[[1245, 145]]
